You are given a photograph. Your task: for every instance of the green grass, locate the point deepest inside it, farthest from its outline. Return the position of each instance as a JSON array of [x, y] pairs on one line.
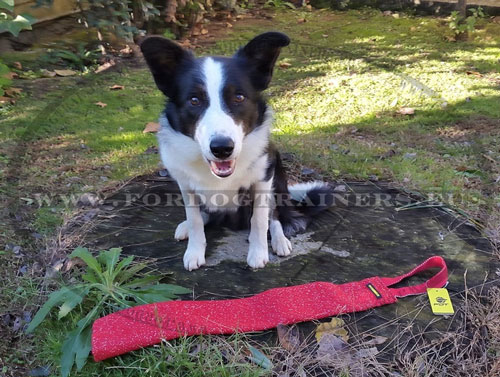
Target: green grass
[[336, 109], [193, 356]]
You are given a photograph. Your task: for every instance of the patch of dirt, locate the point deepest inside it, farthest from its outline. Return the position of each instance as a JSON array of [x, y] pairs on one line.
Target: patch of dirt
[[463, 130]]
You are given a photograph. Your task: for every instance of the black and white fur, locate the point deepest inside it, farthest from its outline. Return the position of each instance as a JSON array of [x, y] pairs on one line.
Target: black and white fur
[[214, 139]]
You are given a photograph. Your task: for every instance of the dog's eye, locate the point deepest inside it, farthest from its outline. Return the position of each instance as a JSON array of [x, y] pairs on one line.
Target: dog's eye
[[239, 98], [195, 101]]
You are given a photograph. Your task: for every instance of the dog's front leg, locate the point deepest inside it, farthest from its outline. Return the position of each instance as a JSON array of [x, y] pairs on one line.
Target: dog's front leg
[[194, 257], [258, 254]]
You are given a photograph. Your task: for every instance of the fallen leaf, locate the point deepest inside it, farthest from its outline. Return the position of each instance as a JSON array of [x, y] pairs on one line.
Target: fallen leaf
[[11, 75], [204, 31], [13, 92], [65, 72], [335, 327], [331, 345], [7, 100], [324, 35], [101, 104], [406, 111], [375, 339], [228, 24], [288, 337], [117, 87], [474, 73], [17, 65], [105, 66], [47, 73], [151, 127], [285, 65], [127, 50], [301, 20]]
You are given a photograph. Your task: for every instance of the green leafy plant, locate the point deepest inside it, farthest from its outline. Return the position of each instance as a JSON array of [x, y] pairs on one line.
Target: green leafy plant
[[11, 24], [81, 58], [460, 25], [279, 4], [109, 284], [121, 18]]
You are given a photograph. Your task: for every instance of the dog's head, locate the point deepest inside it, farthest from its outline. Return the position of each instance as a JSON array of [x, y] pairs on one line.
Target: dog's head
[[215, 100]]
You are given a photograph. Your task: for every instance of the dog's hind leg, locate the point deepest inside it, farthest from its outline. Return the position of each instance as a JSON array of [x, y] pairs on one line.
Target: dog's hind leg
[[182, 233]]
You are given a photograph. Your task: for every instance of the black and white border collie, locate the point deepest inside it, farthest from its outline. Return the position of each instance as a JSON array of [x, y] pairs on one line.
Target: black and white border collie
[[214, 141]]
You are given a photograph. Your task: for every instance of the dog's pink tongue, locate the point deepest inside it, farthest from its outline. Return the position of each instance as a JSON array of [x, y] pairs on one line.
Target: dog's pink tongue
[[223, 165]]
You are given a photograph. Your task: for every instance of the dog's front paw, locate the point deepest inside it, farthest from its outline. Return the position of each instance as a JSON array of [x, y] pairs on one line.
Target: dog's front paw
[[194, 258], [281, 245], [181, 233], [257, 257]]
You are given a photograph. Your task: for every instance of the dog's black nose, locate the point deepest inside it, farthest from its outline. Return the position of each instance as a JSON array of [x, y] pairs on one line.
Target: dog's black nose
[[222, 147]]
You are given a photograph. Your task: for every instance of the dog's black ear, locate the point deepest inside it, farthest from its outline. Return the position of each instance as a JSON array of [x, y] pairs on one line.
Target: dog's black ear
[[164, 58], [261, 54]]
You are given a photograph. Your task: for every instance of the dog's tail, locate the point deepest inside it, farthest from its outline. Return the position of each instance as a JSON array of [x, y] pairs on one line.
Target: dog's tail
[[307, 200]]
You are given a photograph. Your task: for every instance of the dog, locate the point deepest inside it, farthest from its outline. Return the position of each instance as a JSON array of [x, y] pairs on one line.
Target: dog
[[214, 141]]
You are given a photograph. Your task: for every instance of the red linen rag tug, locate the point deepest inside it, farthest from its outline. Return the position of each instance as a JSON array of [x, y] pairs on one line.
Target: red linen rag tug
[[145, 325]]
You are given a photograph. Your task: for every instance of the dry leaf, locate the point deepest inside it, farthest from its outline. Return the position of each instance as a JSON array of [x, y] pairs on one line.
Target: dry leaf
[[325, 35], [11, 75], [288, 337], [204, 31], [406, 111], [101, 104], [47, 73], [13, 92], [17, 65], [335, 326], [375, 340], [333, 346], [151, 127], [105, 66], [285, 65], [7, 100], [127, 50], [117, 87], [474, 73], [301, 20], [65, 72], [228, 24]]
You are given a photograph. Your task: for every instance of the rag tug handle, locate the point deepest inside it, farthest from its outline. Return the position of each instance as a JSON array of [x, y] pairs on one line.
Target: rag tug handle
[[145, 325]]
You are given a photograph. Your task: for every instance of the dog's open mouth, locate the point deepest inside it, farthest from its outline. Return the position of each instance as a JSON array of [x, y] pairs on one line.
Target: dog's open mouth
[[222, 168]]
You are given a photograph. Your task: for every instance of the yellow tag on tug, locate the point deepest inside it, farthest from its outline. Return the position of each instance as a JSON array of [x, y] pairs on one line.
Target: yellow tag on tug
[[440, 301]]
